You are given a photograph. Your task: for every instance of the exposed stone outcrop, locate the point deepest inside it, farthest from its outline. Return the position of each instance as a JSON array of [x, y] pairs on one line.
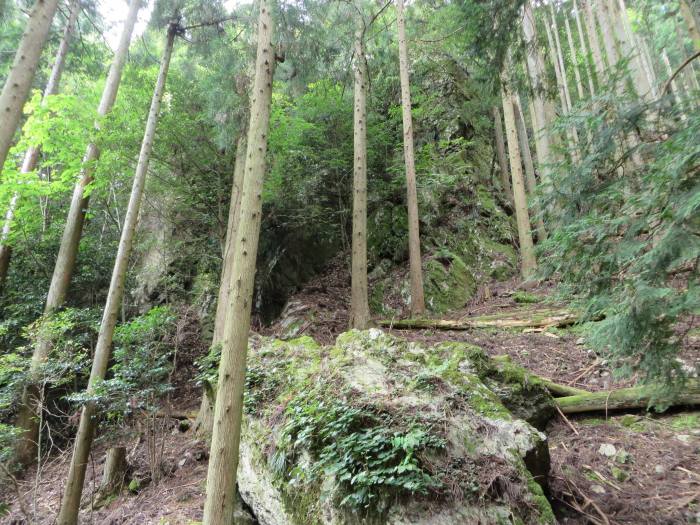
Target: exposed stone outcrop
[[375, 429]]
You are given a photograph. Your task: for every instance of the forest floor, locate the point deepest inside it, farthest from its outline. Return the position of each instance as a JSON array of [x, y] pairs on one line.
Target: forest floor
[[635, 467]]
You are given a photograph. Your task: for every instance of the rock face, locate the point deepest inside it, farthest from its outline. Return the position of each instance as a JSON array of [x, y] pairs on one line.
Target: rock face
[[378, 430]]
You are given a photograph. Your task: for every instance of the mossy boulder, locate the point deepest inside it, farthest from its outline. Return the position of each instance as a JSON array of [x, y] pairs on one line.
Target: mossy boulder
[[375, 429]]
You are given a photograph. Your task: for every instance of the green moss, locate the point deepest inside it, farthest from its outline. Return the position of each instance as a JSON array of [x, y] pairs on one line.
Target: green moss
[[526, 298], [449, 282], [304, 506], [546, 515], [376, 299], [685, 421]]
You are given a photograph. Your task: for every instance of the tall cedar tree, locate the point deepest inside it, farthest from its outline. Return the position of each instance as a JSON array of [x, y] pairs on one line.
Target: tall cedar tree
[[31, 156], [68, 251], [70, 504], [19, 82], [414, 252], [228, 411]]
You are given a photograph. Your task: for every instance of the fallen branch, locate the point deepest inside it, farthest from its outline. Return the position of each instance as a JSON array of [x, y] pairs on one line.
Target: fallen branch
[[626, 398], [559, 320]]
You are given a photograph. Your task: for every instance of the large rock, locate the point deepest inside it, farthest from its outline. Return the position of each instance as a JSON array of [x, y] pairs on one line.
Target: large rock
[[379, 430]]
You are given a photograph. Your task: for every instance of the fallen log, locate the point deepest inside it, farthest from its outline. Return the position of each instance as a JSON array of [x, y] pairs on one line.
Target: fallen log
[[626, 399], [555, 389], [556, 320]]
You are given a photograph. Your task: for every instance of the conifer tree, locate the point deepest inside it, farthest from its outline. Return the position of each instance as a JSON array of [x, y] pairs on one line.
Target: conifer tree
[[228, 411], [528, 263], [70, 504], [596, 48], [530, 179], [584, 50], [359, 305], [574, 57], [536, 72], [205, 416], [691, 21], [68, 251], [501, 152], [31, 156], [19, 81], [415, 265]]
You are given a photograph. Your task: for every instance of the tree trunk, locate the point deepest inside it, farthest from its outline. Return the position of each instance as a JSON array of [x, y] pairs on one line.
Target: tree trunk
[[113, 475], [605, 21], [532, 319], [31, 156], [359, 308], [501, 152], [559, 55], [647, 64], [205, 419], [19, 80], [625, 38], [584, 50], [530, 179], [415, 261], [228, 411], [528, 264], [626, 398], [594, 41], [574, 57], [536, 72], [562, 84], [691, 20], [63, 270], [88, 422], [677, 94]]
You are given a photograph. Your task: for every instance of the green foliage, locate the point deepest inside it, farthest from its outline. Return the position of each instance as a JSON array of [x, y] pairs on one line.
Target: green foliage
[[369, 459], [143, 360], [627, 241]]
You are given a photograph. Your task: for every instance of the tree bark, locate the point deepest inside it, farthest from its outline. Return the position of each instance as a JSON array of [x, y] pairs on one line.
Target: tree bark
[[625, 398], [415, 260], [677, 94], [19, 80], [574, 57], [562, 84], [536, 72], [625, 38], [605, 21], [690, 79], [359, 307], [530, 179], [528, 264], [691, 20], [70, 504], [113, 475], [228, 411], [594, 41], [541, 319], [65, 263], [501, 152], [205, 419], [584, 50], [31, 156], [559, 55]]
